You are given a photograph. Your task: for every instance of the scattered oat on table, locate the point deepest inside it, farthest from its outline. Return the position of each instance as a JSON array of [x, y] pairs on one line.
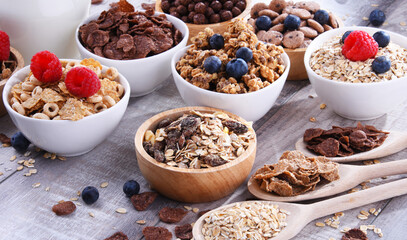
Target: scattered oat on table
[[312, 119], [91, 214], [104, 184], [322, 106], [121, 210], [403, 24], [365, 18]]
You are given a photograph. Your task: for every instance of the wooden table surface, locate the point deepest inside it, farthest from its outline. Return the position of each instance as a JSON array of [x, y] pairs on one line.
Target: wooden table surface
[[25, 211]]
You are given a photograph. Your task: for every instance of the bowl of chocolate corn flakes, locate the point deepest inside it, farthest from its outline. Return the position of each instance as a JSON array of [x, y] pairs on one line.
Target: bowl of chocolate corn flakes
[[195, 154], [231, 71], [69, 108], [139, 44]]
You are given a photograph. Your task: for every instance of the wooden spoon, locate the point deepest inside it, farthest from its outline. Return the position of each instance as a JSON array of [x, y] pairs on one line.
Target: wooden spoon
[[302, 214], [395, 142], [350, 176]]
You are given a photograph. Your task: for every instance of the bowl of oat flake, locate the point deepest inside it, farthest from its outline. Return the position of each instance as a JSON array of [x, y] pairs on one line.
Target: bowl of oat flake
[[351, 88]]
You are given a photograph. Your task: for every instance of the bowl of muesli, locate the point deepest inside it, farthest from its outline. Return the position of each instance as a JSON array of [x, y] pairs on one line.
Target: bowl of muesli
[[140, 44], [71, 114], [360, 72], [195, 154], [249, 77]]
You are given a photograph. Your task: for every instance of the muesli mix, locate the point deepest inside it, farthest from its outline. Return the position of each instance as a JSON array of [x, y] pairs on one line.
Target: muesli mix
[[245, 220], [292, 25], [235, 62], [123, 34], [198, 140], [69, 90], [295, 174]]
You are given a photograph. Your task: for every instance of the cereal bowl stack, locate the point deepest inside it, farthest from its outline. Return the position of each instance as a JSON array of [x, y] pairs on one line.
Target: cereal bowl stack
[[359, 89], [66, 107], [139, 44], [233, 71], [195, 154]]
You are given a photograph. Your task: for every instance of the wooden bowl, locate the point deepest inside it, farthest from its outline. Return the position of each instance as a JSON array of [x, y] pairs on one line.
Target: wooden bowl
[[221, 27], [16, 56], [297, 70], [192, 185]]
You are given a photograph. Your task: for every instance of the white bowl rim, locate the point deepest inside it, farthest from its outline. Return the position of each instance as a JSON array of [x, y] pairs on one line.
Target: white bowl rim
[[308, 53], [123, 81], [252, 147], [96, 15], [213, 93]]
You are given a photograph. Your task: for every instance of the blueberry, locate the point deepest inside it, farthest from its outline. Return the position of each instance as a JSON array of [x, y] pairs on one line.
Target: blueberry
[[345, 35], [263, 23], [377, 17], [381, 64], [212, 64], [236, 68], [244, 53], [19, 142], [292, 22], [90, 194], [321, 16], [216, 41], [131, 188], [382, 38]]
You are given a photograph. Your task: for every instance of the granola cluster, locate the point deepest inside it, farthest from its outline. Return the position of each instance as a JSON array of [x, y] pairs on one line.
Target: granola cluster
[[53, 101], [330, 63], [266, 66], [198, 140]]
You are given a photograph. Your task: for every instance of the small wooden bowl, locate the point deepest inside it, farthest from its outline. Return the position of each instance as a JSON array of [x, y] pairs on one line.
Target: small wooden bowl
[[192, 185], [221, 27], [16, 56]]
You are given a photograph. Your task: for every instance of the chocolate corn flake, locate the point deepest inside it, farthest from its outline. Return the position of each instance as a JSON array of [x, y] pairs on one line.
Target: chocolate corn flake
[[344, 141], [121, 33], [295, 174]]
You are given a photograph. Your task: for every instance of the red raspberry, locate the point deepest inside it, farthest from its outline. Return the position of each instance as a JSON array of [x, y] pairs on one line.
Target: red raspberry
[[82, 82], [46, 67], [359, 46], [4, 46]]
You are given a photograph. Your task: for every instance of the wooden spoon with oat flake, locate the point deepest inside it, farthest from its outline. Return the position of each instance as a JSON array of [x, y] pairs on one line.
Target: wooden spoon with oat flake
[[350, 176], [302, 214], [395, 142]]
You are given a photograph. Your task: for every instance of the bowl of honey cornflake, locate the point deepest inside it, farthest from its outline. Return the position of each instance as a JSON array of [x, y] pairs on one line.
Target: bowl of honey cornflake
[[195, 154], [66, 106]]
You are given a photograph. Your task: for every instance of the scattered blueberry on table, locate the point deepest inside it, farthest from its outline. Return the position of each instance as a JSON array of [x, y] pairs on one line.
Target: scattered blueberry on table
[[131, 188], [20, 142], [377, 17], [90, 194]]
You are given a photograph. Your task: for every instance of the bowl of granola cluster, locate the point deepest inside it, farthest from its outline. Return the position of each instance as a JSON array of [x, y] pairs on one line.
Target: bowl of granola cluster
[[139, 44], [66, 106], [195, 154], [293, 26], [233, 71], [360, 72]]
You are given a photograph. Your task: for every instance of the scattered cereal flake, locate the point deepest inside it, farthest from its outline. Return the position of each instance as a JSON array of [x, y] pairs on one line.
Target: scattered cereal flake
[[20, 161], [47, 189], [188, 208], [377, 230], [33, 171], [61, 201], [376, 161], [27, 174], [312, 119], [371, 227], [1, 173], [353, 190], [141, 222], [374, 5], [78, 193], [368, 162], [53, 156], [26, 154], [36, 185], [322, 106], [403, 24], [91, 214], [74, 199], [47, 155], [320, 224], [385, 23], [365, 18], [19, 168], [372, 210], [380, 234], [8, 169], [195, 210], [339, 214], [104, 184], [363, 227], [61, 158], [37, 149], [345, 229], [13, 158], [6, 145], [365, 187], [363, 212], [362, 217], [334, 225], [121, 210], [79, 204]]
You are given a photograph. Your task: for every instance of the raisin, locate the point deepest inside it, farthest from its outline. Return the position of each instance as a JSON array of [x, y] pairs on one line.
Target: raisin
[[154, 233], [172, 215], [184, 232], [213, 160], [159, 156], [64, 208], [143, 200], [190, 122], [236, 127], [181, 141], [147, 146]]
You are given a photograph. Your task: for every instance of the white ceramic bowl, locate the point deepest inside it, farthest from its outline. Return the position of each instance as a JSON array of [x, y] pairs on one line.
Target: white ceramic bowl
[[65, 137], [145, 74], [250, 106], [358, 101]]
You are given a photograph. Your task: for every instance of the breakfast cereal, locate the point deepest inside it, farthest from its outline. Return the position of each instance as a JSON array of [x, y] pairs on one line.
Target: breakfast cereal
[[154, 233], [198, 140], [53, 101], [245, 220], [295, 174], [184, 232], [143, 200], [64, 208], [172, 215]]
